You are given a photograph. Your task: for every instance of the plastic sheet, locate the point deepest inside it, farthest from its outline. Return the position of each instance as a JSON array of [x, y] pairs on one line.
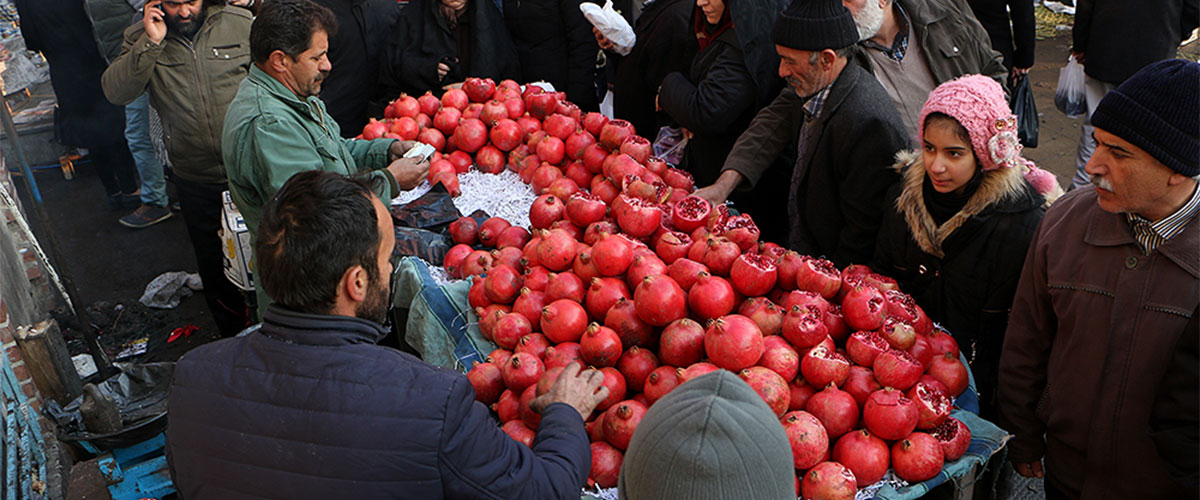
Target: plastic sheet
[[139, 391]]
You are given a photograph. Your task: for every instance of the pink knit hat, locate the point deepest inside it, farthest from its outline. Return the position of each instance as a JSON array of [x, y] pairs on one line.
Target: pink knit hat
[[978, 103]]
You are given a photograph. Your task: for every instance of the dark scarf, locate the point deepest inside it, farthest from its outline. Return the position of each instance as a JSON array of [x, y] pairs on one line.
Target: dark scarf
[[706, 33], [943, 206]]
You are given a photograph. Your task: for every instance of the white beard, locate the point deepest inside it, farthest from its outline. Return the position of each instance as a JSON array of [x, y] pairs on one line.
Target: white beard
[[868, 20]]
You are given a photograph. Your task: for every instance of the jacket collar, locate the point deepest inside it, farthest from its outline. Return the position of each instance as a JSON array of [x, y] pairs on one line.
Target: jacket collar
[[307, 106], [319, 329], [1004, 186], [1108, 229]]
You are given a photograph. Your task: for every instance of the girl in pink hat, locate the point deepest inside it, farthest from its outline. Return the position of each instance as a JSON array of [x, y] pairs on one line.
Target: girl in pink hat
[[965, 211]]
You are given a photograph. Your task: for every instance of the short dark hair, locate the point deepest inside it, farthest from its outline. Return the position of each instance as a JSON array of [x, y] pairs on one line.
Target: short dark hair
[[288, 25], [318, 225]]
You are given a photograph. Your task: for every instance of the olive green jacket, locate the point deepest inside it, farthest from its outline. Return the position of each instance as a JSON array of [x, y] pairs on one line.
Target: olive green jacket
[[191, 83], [271, 134]]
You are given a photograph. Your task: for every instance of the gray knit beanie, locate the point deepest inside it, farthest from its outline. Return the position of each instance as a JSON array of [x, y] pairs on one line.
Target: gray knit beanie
[[711, 438]]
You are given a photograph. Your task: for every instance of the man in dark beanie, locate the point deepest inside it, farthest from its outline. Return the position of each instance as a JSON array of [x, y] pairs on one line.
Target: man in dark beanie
[[711, 438], [1110, 282], [834, 128]]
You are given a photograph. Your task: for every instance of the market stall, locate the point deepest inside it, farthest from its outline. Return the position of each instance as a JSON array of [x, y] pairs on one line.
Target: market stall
[[611, 276]]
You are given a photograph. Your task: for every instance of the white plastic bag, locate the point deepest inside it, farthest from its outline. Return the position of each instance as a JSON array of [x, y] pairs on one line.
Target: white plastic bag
[[611, 24], [1070, 96]]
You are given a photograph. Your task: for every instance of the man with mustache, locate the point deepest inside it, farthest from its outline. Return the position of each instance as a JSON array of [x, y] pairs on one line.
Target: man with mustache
[[833, 127], [308, 406], [913, 46], [190, 55], [1107, 301], [277, 125]]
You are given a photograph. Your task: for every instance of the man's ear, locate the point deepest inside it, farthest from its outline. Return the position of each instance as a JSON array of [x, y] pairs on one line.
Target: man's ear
[[1177, 179], [355, 283], [828, 57], [278, 61]]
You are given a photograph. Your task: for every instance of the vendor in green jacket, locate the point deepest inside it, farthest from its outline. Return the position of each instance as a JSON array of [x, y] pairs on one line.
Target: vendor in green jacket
[[277, 126]]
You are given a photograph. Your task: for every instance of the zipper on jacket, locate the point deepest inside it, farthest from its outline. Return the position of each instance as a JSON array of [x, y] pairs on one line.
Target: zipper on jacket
[[1083, 289], [1175, 312]]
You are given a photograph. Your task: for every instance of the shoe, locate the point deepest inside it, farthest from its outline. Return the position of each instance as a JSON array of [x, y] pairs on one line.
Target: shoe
[[175, 207], [146, 216]]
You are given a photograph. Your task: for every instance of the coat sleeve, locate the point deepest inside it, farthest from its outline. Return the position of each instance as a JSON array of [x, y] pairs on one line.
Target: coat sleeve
[[771, 130], [406, 65], [1024, 32], [710, 107], [893, 233], [479, 460], [581, 56], [1083, 25], [868, 175], [127, 77], [1173, 417], [1026, 354], [371, 159]]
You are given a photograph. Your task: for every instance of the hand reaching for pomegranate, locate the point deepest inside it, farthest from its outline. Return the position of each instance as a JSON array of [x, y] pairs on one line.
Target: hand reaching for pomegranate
[[1031, 469], [582, 390], [409, 171], [152, 19], [719, 191]]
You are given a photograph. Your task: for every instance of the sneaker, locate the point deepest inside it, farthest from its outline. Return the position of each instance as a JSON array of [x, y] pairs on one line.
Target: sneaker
[[145, 216]]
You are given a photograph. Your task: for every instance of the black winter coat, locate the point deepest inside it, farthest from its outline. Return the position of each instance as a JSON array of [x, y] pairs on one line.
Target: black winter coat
[[310, 407], [423, 38], [839, 201], [351, 91], [1120, 37], [61, 31], [1010, 26], [665, 44], [555, 44], [963, 273], [716, 102]]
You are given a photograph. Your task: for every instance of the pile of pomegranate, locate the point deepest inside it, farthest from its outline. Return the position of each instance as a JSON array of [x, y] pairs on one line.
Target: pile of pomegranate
[[625, 271]]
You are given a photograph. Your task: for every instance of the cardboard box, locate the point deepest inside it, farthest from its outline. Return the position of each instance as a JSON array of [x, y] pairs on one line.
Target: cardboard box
[[235, 244]]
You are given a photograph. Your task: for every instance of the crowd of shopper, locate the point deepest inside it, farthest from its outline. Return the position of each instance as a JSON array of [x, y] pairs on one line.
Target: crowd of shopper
[[865, 131]]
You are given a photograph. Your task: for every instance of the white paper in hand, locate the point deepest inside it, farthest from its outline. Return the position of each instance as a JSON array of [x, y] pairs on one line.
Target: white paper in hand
[[612, 25]]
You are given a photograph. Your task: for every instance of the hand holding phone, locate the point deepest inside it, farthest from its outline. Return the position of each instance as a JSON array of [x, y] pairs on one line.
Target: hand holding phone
[[152, 19]]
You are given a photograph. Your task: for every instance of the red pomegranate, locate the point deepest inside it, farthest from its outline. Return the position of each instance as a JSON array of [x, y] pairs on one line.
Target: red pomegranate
[[661, 381], [733, 342], [836, 409], [556, 250], [863, 308], [752, 274], [620, 421], [600, 346], [623, 318], [508, 406], [565, 285], [658, 300], [860, 384], [897, 369], [950, 371], [563, 354], [613, 254], [479, 89], [807, 437], [933, 406], [822, 365], [686, 272], [518, 432], [487, 381], [584, 208], [770, 386], [603, 294], [564, 320], [779, 357], [889, 415], [696, 370], [613, 133], [954, 437], [917, 457], [454, 259], [682, 343], [502, 284], [865, 455], [829, 480], [606, 464], [863, 347], [804, 327], [522, 370], [898, 334], [636, 365], [711, 297], [615, 382]]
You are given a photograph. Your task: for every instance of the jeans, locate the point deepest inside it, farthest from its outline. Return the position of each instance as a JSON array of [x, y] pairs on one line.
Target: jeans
[[137, 133], [1095, 90], [201, 207]]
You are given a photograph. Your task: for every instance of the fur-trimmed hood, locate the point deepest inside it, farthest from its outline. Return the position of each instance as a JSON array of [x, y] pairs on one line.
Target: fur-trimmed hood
[[1005, 186]]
